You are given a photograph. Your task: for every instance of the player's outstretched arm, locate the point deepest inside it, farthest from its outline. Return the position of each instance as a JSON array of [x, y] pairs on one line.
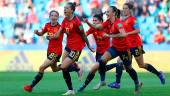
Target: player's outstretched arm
[[96, 26], [38, 33]]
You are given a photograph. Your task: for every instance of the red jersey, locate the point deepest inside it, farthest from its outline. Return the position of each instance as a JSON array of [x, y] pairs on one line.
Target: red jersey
[[130, 24], [107, 24], [121, 44], [73, 29], [103, 43], [54, 45]]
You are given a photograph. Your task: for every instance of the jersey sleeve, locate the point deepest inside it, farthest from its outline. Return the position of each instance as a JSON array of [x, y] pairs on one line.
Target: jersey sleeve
[[45, 28], [105, 24], [90, 31], [79, 24], [118, 25]]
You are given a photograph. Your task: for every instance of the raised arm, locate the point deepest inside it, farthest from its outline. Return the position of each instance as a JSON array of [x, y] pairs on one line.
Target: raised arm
[[96, 26], [39, 33]]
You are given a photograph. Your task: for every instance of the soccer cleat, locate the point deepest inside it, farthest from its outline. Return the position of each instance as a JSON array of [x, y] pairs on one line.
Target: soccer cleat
[[80, 74], [69, 92], [138, 87], [162, 77], [114, 85], [28, 88], [99, 85], [81, 88]]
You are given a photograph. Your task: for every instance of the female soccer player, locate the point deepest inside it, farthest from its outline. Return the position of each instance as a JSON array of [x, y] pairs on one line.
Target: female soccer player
[[120, 47], [76, 40], [132, 28], [102, 43], [53, 53]]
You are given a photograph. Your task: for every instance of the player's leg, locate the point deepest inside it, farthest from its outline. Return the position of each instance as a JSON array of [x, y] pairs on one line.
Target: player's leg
[[138, 54], [126, 57], [54, 65], [70, 59], [100, 65], [119, 71], [38, 76], [102, 76], [73, 67]]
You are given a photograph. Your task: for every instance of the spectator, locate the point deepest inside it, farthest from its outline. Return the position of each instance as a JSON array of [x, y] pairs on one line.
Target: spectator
[[159, 37], [162, 24]]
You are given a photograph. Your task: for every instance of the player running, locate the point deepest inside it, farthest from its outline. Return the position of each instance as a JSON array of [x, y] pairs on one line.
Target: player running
[[54, 50], [102, 43], [132, 28], [120, 47], [76, 40]]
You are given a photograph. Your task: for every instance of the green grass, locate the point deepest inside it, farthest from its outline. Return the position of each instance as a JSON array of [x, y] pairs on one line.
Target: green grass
[[11, 84]]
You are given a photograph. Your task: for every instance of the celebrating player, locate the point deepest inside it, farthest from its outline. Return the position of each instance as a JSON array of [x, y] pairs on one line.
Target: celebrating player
[[54, 50], [76, 40], [132, 28], [102, 43], [120, 47]]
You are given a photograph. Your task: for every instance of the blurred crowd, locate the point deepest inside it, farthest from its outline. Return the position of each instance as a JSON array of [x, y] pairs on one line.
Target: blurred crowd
[[18, 18]]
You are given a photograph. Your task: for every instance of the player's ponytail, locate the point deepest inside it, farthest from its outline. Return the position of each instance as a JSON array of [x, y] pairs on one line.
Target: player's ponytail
[[117, 14], [73, 5], [116, 11]]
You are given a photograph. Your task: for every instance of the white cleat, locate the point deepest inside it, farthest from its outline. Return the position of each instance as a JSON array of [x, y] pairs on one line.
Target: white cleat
[[69, 92], [99, 85]]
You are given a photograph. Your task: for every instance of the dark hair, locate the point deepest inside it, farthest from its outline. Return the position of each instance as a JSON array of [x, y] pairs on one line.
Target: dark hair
[[116, 11], [54, 11], [99, 17], [130, 6], [72, 5]]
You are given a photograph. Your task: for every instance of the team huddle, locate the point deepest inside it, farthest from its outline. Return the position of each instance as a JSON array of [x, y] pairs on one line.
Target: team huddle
[[121, 27]]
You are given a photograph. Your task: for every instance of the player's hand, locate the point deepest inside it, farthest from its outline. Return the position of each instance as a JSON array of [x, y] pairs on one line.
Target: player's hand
[[91, 49], [85, 20], [124, 34], [36, 32], [106, 35], [51, 37]]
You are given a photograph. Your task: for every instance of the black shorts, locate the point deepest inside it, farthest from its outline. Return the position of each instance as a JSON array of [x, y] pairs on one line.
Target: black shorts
[[137, 51], [125, 56], [98, 56], [53, 56], [73, 54]]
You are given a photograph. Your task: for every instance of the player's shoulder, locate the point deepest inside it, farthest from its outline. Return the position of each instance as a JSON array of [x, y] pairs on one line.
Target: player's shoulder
[[76, 19], [132, 18], [47, 24], [117, 21]]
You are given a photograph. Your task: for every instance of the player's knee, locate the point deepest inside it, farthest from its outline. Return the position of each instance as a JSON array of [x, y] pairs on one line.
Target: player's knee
[[119, 60], [94, 68], [41, 69], [54, 69], [142, 66], [128, 68]]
